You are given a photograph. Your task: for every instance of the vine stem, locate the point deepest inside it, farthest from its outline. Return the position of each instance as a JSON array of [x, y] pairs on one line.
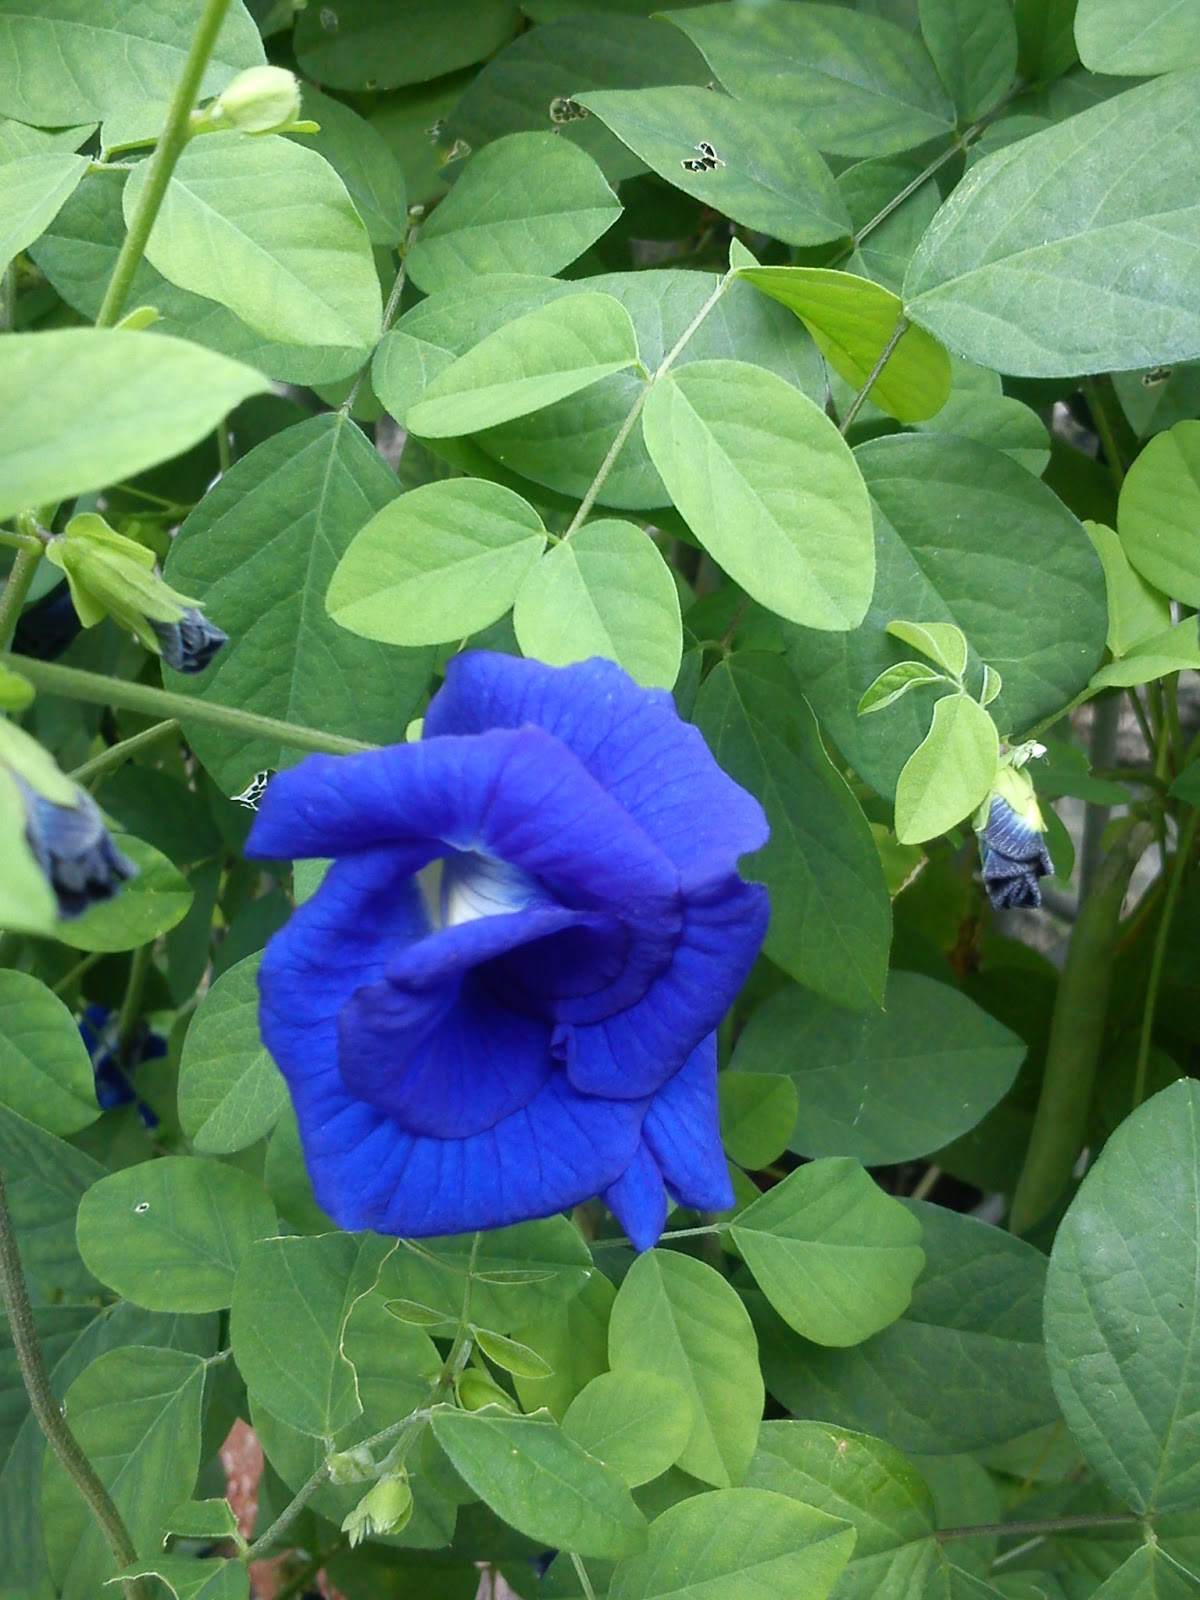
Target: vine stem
[[885, 355], [117, 754], [679, 1233], [131, 1002], [162, 163], [96, 689], [389, 311], [1183, 850], [12, 599], [46, 1408], [991, 1530], [585, 1583]]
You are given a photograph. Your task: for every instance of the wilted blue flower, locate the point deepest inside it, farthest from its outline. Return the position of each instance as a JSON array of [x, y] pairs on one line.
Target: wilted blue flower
[[189, 644], [72, 847], [1014, 854], [531, 1021], [98, 1027]]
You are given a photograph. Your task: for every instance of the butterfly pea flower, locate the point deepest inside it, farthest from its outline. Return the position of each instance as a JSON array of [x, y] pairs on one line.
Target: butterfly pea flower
[[113, 1071], [1011, 832], [501, 1000]]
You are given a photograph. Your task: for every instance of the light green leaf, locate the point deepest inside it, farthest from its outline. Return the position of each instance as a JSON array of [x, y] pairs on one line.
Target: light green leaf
[[168, 1235], [950, 773], [993, 685], [360, 156], [943, 642], [996, 420], [766, 175], [1175, 649], [136, 1415], [1030, 265], [230, 1091], [147, 906], [976, 1308], [74, 60], [266, 228], [542, 357], [758, 1113], [45, 1073], [893, 683], [1149, 1574], [511, 1354], [18, 140], [572, 1338], [606, 591], [852, 320], [527, 203], [974, 47], [637, 1423], [737, 1544], [259, 552], [46, 1179], [676, 1317], [1136, 611], [540, 1482], [1122, 1305], [885, 1086], [1158, 514], [1136, 39], [33, 190], [853, 84], [768, 486], [160, 396], [834, 1255], [384, 44], [437, 564]]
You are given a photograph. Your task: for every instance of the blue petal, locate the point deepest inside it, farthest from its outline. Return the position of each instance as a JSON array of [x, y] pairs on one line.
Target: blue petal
[[636, 1051], [367, 1172], [639, 1201], [1013, 837], [630, 739], [683, 1134]]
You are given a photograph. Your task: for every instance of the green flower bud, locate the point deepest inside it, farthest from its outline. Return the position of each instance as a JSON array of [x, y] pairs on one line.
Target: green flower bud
[[355, 1465], [259, 100], [385, 1508], [474, 1390]]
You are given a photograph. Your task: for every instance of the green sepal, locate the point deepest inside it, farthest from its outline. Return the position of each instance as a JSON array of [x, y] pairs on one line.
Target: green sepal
[[110, 575]]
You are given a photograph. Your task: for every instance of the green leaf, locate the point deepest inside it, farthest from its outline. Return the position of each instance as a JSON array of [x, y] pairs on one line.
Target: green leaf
[[830, 911], [1122, 1304], [768, 486], [605, 591], [230, 1091], [147, 906], [542, 357], [1045, 38], [168, 1235], [974, 47], [259, 553], [33, 189], [160, 396], [737, 1544], [1136, 611], [976, 1308], [384, 44], [1158, 514], [572, 1339], [834, 1255], [360, 156], [292, 1299], [46, 1179], [540, 1482], [527, 203], [27, 902], [442, 561], [136, 1415], [758, 1113], [1175, 649], [1026, 268], [1130, 38], [203, 1519], [45, 1072], [676, 1317], [65, 61], [943, 642], [893, 683], [996, 420], [864, 1482], [637, 1423], [852, 320], [1149, 1574], [950, 773], [191, 1579], [855, 85], [889, 1086], [962, 535], [266, 228], [768, 177], [511, 1354]]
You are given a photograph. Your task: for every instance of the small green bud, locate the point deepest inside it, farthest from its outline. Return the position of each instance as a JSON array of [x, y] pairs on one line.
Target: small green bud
[[16, 691], [385, 1508], [474, 1390], [355, 1465], [259, 100]]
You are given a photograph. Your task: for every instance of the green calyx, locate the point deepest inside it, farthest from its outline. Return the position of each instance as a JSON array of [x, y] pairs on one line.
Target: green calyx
[[110, 575]]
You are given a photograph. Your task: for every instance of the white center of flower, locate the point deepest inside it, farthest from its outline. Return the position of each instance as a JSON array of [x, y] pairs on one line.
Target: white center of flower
[[476, 886]]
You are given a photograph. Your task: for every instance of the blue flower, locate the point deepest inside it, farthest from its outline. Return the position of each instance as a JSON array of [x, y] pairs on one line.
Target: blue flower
[[501, 1001], [189, 644], [73, 849], [1014, 855], [114, 1078]]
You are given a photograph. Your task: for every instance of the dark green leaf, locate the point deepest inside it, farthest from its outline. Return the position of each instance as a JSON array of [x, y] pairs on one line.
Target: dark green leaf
[[758, 1113], [45, 1072], [230, 1091], [380, 44], [974, 47]]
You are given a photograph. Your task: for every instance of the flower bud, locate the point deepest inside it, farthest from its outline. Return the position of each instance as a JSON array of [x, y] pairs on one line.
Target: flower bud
[[355, 1465], [1010, 828], [385, 1508], [259, 100], [189, 644], [474, 1389]]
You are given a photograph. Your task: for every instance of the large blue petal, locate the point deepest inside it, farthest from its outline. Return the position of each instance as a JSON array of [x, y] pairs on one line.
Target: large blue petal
[[560, 1150], [682, 1131], [638, 1200], [634, 1052], [630, 739]]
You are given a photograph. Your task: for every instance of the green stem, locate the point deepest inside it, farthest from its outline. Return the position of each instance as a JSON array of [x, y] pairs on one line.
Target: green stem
[[666, 1239], [1094, 393], [19, 541], [117, 754], [1183, 851], [131, 1002], [96, 689], [46, 1409], [1076, 1031], [1139, 711], [885, 356], [12, 599], [992, 1530], [8, 296], [389, 311], [162, 163], [585, 1583]]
